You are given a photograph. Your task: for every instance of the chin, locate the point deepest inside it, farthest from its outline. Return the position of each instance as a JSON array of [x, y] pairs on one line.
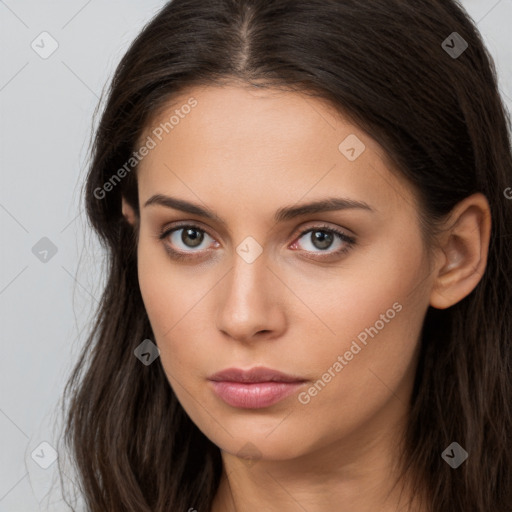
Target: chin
[[269, 443]]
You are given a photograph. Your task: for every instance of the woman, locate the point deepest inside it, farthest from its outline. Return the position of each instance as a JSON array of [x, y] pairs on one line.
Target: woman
[[308, 304]]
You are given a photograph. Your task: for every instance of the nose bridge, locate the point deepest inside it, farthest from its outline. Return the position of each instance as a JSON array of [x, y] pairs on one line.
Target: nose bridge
[[249, 303]]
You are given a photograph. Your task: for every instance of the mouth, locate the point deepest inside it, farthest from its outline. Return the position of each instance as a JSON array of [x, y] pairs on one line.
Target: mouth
[[256, 388]]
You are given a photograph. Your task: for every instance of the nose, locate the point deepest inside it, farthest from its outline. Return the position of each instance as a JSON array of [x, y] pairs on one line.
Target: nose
[[250, 306]]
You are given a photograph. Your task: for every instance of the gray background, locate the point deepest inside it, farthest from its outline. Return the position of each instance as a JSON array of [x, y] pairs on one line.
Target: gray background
[[47, 299]]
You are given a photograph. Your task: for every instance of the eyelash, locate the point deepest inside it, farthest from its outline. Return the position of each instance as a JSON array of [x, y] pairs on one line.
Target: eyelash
[[348, 240]]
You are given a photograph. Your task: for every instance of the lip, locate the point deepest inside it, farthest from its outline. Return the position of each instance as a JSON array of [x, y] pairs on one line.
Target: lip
[[256, 374], [256, 388]]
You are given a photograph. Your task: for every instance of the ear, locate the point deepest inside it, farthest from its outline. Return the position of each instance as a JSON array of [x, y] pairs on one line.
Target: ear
[[128, 212], [463, 250]]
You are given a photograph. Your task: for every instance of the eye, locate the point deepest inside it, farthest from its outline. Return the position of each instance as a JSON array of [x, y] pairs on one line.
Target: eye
[[185, 239], [320, 239]]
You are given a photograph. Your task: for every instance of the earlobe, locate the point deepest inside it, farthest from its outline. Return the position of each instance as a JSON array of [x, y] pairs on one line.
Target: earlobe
[[464, 252], [128, 212]]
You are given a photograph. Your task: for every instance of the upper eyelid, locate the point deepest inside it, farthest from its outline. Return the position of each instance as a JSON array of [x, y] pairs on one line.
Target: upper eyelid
[[166, 231]]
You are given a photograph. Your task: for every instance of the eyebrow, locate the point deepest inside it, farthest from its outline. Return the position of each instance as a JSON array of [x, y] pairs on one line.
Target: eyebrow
[[281, 215]]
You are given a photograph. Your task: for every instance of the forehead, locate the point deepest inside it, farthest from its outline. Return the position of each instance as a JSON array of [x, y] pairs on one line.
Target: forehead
[[255, 141]]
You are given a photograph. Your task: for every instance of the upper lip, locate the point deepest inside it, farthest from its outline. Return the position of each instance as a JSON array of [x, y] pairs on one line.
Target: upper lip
[[257, 374]]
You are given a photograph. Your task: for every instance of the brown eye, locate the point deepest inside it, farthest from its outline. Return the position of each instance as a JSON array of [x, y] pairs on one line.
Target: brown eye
[[191, 237], [318, 240], [183, 239], [321, 239]]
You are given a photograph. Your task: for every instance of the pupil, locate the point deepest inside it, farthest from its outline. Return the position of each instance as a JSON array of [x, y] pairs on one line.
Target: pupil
[[192, 234], [321, 239]]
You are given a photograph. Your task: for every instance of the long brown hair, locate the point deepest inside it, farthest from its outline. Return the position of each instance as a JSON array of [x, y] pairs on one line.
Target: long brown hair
[[440, 118]]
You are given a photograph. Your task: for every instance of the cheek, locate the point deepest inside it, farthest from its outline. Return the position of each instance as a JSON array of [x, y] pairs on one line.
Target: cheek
[[167, 293], [376, 280], [377, 321], [174, 300], [157, 286]]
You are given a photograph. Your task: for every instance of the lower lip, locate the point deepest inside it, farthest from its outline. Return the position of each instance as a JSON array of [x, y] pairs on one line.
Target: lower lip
[[254, 395]]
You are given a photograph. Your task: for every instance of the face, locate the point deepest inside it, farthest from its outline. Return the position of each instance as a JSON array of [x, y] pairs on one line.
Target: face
[[236, 272]]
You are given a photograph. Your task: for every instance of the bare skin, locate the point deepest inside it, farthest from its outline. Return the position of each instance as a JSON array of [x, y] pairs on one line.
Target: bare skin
[[244, 154]]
